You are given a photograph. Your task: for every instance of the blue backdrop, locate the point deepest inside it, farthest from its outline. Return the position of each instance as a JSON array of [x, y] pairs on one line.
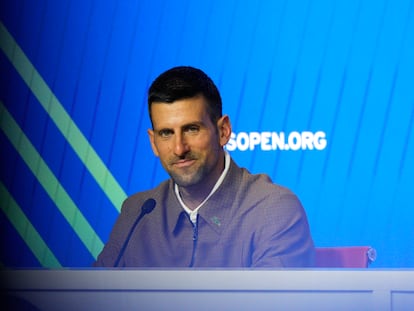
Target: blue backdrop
[[320, 94]]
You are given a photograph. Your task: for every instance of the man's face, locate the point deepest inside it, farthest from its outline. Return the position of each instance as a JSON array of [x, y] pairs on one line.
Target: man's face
[[188, 144]]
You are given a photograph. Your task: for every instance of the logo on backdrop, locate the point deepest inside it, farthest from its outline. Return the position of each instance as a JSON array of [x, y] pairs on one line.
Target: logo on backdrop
[[270, 141]]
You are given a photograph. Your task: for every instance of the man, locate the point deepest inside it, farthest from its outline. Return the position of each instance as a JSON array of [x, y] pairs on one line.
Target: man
[[211, 213]]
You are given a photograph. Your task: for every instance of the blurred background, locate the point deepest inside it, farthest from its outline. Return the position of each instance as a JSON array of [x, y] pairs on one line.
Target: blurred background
[[319, 92]]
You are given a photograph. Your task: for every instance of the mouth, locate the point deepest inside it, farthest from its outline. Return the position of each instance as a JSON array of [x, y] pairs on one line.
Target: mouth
[[183, 163]]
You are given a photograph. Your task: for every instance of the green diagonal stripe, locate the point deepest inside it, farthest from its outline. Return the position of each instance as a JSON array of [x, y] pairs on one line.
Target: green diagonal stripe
[[49, 182], [63, 121], [26, 230]]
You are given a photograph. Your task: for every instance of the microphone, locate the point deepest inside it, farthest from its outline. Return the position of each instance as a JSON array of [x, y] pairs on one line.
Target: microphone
[[146, 208]]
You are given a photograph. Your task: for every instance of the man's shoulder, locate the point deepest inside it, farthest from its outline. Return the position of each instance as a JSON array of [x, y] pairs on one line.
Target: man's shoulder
[[260, 182], [259, 190], [137, 199]]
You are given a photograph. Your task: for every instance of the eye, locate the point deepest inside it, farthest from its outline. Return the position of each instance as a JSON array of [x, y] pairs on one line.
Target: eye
[[192, 128], [165, 133]]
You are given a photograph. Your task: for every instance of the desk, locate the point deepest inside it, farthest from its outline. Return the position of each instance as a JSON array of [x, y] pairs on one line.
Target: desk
[[330, 289]]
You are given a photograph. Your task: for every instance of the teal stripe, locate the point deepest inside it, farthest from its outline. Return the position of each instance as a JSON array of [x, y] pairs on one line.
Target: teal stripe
[[26, 230], [49, 182], [62, 119]]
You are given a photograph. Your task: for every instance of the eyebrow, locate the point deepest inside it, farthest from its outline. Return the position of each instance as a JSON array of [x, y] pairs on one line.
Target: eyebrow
[[195, 123]]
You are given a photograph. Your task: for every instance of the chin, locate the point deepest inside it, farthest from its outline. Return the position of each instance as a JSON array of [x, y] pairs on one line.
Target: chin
[[187, 182]]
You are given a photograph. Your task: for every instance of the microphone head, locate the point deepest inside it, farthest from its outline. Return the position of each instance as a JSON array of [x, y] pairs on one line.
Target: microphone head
[[148, 206]]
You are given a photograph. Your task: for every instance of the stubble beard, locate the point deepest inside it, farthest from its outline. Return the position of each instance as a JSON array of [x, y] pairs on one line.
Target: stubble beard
[[190, 178]]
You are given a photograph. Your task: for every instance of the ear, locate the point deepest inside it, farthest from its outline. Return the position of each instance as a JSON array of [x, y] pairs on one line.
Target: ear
[[152, 141], [224, 129]]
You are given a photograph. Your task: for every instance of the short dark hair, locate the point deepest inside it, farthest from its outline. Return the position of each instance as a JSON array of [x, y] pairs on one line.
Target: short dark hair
[[185, 82]]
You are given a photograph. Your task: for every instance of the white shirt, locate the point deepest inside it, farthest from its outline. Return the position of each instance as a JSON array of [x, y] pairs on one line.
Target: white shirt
[[193, 213]]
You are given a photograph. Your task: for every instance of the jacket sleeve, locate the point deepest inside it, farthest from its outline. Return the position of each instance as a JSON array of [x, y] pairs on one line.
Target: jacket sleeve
[[284, 238]]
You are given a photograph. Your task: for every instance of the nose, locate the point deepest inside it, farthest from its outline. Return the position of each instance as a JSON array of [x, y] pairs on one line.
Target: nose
[[180, 146]]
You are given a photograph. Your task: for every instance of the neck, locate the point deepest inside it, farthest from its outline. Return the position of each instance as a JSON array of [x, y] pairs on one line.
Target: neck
[[192, 199], [194, 195]]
